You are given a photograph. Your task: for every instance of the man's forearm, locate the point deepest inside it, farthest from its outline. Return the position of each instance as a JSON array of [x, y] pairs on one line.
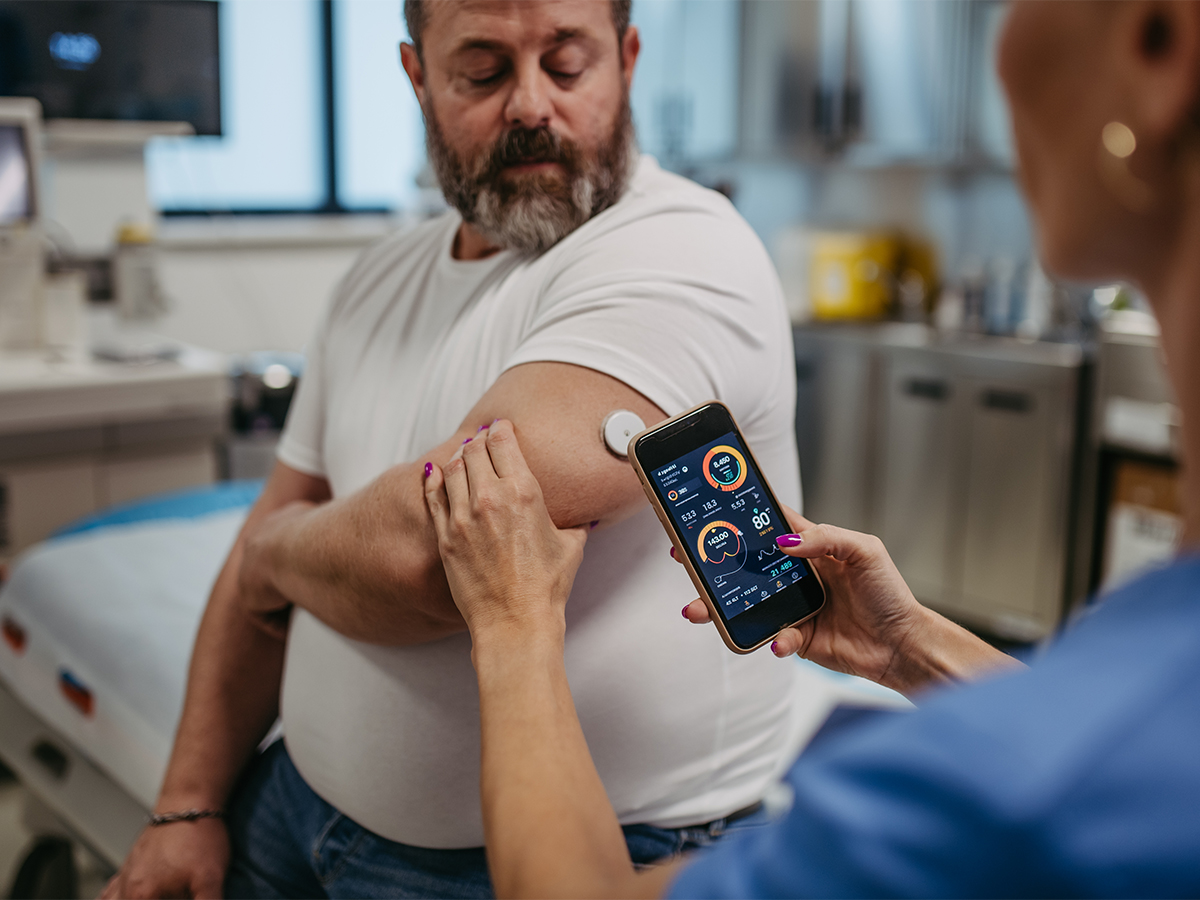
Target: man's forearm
[[365, 565], [232, 699]]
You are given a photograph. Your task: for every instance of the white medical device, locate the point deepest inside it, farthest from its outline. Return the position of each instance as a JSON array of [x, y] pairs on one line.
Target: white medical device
[[22, 248], [618, 429]]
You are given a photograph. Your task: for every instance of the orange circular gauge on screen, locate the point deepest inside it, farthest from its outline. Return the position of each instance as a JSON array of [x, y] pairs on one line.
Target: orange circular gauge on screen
[[719, 541], [724, 468]]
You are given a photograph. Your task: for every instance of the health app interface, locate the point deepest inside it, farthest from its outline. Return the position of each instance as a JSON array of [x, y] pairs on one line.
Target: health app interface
[[726, 518]]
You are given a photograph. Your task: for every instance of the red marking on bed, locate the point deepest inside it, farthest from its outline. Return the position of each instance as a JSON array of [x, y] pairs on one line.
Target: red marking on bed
[[76, 692], [14, 635]]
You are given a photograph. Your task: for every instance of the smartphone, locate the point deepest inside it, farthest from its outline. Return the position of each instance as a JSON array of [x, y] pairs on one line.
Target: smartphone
[[711, 497]]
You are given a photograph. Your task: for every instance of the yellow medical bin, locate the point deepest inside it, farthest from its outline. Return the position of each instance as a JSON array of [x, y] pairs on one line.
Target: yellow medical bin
[[852, 275]]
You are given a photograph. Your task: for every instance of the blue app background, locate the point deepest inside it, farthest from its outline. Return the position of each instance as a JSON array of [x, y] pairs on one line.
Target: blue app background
[[728, 524]]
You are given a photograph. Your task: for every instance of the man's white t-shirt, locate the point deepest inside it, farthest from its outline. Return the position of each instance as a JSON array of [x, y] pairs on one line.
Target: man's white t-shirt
[[668, 291]]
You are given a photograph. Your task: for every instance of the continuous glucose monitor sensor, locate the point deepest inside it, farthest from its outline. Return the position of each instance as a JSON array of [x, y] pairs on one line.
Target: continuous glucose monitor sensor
[[618, 429]]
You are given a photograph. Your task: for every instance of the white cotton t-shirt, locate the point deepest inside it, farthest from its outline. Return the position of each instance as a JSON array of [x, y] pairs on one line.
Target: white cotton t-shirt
[[668, 291]]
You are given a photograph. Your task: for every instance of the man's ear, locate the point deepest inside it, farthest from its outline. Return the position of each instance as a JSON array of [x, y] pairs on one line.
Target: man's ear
[[1159, 41], [415, 71], [631, 46]]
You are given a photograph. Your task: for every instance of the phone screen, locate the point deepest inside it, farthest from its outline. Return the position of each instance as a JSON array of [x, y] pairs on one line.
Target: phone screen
[[729, 523]]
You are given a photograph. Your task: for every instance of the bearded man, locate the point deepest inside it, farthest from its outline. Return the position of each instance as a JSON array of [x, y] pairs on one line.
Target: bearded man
[[571, 278]]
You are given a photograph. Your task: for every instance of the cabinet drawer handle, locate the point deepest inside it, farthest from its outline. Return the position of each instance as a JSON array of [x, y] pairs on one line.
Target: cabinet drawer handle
[[927, 388], [1008, 401]]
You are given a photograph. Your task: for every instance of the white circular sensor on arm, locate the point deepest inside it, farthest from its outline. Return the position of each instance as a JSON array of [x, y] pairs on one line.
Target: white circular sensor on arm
[[618, 429]]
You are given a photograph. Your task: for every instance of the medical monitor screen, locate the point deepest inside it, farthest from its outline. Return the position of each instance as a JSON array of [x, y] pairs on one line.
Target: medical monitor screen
[[16, 196], [136, 60]]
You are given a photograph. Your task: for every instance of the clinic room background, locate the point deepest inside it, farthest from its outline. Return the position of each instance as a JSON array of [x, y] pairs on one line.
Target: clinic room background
[[184, 183]]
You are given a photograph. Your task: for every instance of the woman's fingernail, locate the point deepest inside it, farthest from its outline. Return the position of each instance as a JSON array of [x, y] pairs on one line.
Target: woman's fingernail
[[483, 428], [428, 469], [685, 615], [789, 540], [494, 421], [673, 553], [467, 441], [775, 647], [594, 524]]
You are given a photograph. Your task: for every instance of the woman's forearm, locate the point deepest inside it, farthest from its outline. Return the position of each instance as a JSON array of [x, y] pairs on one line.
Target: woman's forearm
[[550, 829], [549, 826], [938, 652]]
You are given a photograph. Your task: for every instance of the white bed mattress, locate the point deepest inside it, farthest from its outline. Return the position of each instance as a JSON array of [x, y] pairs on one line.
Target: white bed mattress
[[98, 629]]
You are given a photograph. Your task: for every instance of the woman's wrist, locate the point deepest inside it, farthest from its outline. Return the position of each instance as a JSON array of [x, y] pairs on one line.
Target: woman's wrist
[[507, 639], [936, 651]]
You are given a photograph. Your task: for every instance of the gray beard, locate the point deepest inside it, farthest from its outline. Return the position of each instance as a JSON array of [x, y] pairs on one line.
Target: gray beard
[[533, 213]]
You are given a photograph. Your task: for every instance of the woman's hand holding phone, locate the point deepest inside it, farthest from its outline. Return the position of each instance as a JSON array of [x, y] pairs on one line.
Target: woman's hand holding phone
[[872, 625]]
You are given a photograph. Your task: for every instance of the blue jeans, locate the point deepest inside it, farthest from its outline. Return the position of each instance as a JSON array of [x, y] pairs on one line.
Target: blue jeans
[[288, 842]]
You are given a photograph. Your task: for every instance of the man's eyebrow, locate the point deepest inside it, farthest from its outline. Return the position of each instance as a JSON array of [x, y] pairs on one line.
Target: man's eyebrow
[[480, 44], [561, 36]]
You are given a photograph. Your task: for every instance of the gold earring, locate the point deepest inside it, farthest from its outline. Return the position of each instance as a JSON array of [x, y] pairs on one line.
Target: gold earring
[[1117, 144]]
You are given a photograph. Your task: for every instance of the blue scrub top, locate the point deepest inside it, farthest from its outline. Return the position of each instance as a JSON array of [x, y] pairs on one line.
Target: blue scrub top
[[1078, 777]]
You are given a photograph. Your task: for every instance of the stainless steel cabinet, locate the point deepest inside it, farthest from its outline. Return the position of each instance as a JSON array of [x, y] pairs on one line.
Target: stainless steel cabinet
[[963, 464], [919, 489]]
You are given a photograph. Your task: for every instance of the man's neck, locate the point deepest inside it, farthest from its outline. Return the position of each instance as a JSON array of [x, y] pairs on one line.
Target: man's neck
[[469, 244], [1176, 300]]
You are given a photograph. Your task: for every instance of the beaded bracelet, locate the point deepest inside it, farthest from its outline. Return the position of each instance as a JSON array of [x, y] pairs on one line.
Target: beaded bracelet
[[187, 815]]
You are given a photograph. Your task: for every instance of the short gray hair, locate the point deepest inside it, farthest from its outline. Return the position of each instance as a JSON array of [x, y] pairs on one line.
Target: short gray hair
[[416, 17]]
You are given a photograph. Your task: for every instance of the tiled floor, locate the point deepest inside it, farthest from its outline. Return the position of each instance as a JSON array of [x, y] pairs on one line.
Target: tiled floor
[[15, 840]]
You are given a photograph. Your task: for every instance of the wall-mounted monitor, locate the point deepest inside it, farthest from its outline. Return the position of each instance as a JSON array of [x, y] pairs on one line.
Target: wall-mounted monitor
[[132, 60]]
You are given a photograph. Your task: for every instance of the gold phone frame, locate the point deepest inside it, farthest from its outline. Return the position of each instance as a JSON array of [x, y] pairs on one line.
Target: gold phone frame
[[683, 556]]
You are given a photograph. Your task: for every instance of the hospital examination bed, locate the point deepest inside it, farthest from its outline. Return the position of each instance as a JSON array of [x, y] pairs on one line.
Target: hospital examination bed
[[97, 625]]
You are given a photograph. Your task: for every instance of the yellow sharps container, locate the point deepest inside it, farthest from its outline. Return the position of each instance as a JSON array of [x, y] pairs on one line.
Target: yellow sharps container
[[852, 274]]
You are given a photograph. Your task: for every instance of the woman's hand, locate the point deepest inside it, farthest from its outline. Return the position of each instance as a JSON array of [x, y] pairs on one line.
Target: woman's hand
[[507, 563], [871, 625]]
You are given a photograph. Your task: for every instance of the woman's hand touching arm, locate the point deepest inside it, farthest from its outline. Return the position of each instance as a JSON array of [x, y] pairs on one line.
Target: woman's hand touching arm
[[549, 827], [872, 625]]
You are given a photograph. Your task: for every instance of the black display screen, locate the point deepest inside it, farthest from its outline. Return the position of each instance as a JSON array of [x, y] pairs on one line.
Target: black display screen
[[726, 519], [721, 507], [138, 60]]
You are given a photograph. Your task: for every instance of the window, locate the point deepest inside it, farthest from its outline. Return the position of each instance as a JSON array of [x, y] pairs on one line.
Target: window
[[380, 135], [271, 155]]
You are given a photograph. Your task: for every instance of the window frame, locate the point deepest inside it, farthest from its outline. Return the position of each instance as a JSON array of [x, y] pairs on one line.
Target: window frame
[[332, 204]]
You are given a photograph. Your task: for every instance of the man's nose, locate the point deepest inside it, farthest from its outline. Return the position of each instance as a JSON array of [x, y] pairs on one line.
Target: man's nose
[[529, 103]]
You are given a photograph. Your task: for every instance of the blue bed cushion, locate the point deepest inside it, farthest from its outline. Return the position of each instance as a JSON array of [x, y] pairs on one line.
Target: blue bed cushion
[[187, 504]]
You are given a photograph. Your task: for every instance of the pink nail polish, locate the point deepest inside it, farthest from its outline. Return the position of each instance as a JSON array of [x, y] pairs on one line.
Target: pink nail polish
[[483, 428], [673, 556], [775, 647], [789, 540], [494, 421], [685, 615], [467, 441], [428, 469], [594, 524]]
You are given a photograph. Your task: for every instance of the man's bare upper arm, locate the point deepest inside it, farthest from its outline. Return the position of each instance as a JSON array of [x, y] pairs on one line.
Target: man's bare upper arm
[[558, 409]]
